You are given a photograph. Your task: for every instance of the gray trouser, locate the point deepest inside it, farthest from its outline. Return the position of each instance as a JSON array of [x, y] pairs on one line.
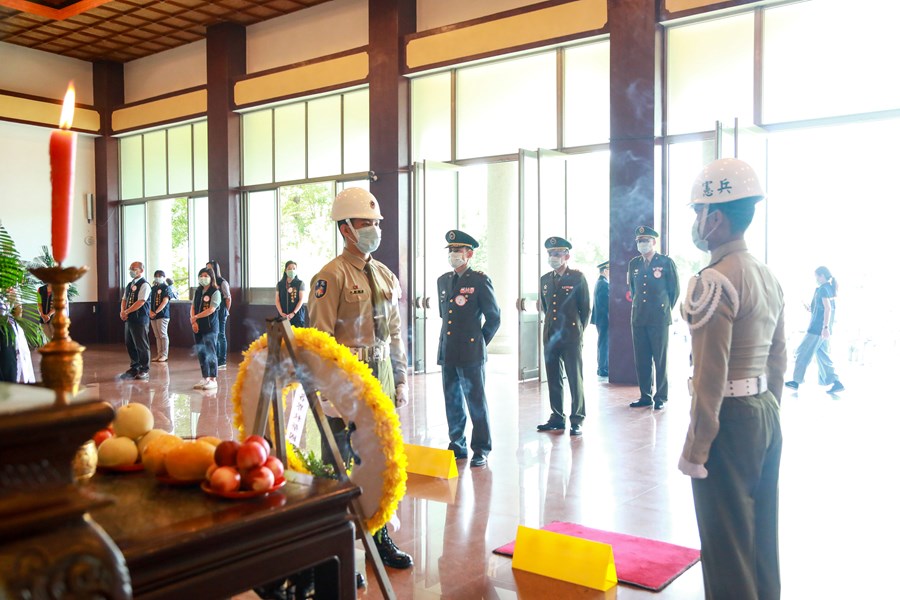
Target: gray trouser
[[161, 332]]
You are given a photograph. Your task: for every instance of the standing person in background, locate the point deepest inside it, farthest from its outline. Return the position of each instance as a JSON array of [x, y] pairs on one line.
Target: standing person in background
[[159, 315], [136, 315], [815, 342], [222, 314], [205, 325], [652, 290], [289, 293], [45, 308], [600, 319]]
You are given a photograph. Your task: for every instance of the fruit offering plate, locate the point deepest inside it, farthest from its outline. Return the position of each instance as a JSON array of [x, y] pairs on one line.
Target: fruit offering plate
[[242, 494], [122, 468], [166, 480]]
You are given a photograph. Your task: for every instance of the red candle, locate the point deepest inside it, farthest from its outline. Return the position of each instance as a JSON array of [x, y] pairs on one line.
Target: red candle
[[62, 178]]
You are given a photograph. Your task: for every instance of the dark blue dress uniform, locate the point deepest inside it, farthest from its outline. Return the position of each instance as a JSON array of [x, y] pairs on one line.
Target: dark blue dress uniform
[[600, 319], [654, 292], [471, 317], [566, 302]]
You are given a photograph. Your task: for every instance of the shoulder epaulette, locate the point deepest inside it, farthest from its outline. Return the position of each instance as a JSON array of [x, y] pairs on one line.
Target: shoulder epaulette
[[713, 284]]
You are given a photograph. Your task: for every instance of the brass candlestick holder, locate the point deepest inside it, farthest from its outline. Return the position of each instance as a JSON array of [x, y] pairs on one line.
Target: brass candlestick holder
[[61, 365]]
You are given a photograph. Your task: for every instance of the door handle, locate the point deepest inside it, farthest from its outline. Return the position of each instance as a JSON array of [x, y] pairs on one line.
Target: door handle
[[427, 302], [418, 302], [519, 304]]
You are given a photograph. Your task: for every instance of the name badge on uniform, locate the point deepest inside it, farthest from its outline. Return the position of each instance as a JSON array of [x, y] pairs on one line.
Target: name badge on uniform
[[206, 298], [460, 300], [357, 291], [467, 290], [568, 288], [133, 287], [657, 272], [321, 288]]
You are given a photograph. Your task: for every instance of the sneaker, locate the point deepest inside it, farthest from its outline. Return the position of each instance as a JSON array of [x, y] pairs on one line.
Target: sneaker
[[641, 403], [210, 385], [129, 374], [142, 376], [199, 385], [223, 367], [837, 387], [792, 384]]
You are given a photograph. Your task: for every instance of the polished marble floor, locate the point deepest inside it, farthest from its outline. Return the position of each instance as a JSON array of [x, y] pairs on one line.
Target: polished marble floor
[[839, 517]]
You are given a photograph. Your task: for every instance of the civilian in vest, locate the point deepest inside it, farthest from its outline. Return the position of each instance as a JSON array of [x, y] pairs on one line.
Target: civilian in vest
[[735, 311], [222, 314], [289, 293], [159, 315], [600, 319], [652, 290], [136, 314], [205, 325], [471, 318], [566, 304], [46, 310]]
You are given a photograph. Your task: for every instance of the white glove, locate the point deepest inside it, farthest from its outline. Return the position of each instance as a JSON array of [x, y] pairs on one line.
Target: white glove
[[402, 393], [692, 469]]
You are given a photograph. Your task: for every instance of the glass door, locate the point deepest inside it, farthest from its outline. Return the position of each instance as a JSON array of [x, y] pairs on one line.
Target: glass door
[[436, 210]]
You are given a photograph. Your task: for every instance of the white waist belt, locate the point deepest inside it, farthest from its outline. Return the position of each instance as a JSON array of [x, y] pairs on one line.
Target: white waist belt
[[370, 354], [735, 388]]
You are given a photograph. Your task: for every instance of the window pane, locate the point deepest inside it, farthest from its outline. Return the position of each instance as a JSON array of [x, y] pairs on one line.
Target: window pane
[[833, 67], [257, 147], [155, 164], [306, 228], [710, 74], [496, 100], [201, 162], [131, 160], [290, 142], [262, 240], [199, 230], [167, 240], [356, 131], [431, 117], [324, 136], [134, 229], [180, 163], [586, 112]]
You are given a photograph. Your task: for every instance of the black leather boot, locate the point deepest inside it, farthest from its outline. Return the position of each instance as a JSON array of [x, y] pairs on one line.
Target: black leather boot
[[390, 554]]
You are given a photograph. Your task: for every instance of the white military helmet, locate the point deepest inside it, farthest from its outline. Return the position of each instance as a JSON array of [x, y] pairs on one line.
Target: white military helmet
[[726, 180], [355, 203]]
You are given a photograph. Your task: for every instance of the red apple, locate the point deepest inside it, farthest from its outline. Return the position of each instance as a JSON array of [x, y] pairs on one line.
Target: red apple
[[276, 466], [225, 479], [226, 453], [260, 478], [103, 435], [251, 455], [261, 441]]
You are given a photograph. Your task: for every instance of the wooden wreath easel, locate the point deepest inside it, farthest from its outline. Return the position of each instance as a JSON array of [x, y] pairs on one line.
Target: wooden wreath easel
[[279, 333]]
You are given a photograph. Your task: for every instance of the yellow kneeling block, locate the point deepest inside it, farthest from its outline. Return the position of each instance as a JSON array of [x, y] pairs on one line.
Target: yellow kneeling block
[[565, 557], [432, 462]]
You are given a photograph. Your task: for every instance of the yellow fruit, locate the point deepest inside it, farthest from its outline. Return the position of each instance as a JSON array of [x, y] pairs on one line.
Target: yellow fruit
[[132, 420], [154, 454], [208, 439], [190, 460], [117, 452], [149, 437]]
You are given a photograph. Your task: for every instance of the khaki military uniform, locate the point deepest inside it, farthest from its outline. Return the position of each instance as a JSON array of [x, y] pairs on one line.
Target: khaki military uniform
[[735, 434]]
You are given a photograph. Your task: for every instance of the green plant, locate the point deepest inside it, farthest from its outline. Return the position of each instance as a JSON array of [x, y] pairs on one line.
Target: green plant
[[18, 295]]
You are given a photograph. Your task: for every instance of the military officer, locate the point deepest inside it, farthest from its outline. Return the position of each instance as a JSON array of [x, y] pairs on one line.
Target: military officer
[[566, 303], [600, 318], [735, 311], [471, 318], [652, 290], [355, 298]]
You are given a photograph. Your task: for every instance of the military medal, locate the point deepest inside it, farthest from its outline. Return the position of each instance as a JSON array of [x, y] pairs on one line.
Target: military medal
[[460, 300]]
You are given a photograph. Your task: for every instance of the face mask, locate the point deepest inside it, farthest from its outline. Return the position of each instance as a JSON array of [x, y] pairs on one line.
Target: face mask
[[555, 262], [644, 247], [134, 273], [699, 224], [456, 259], [368, 239], [290, 274], [160, 280], [204, 281]]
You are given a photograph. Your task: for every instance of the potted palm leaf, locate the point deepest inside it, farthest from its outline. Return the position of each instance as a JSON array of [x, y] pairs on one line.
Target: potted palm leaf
[[18, 295]]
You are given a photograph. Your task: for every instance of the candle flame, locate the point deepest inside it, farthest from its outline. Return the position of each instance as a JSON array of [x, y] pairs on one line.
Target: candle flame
[[68, 108]]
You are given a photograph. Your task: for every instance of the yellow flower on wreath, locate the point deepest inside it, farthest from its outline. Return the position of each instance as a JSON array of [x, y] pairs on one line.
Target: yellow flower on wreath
[[368, 388]]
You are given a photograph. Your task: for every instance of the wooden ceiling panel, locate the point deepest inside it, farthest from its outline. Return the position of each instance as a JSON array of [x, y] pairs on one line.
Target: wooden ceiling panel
[[123, 30]]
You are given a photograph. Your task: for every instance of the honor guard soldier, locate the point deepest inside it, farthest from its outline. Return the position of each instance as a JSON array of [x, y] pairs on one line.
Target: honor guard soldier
[[135, 312], [566, 303], [471, 318], [600, 318], [355, 299], [652, 290], [735, 311]]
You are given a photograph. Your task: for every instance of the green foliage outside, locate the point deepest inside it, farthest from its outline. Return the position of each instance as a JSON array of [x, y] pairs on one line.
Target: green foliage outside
[[307, 231]]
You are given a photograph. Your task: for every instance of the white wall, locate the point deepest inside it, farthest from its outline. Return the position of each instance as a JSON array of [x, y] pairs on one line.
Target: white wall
[[25, 198], [176, 69], [437, 13], [309, 33], [43, 74]]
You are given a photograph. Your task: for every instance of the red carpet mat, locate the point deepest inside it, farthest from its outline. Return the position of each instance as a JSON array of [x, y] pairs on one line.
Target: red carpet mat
[[639, 561]]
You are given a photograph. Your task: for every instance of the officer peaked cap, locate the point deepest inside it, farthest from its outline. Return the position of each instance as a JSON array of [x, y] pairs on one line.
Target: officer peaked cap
[[455, 237], [557, 243], [644, 231], [603, 265]]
